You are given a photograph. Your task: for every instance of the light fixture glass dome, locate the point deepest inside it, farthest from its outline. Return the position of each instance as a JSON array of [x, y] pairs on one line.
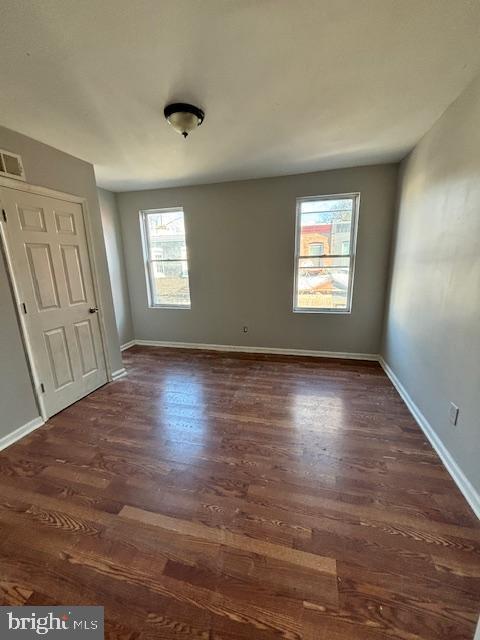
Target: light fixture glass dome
[[183, 117]]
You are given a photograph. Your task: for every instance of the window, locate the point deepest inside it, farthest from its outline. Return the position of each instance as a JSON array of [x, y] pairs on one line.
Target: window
[[325, 253], [316, 249], [165, 252]]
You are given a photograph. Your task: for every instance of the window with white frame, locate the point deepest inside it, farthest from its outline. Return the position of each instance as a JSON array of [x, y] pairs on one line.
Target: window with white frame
[[165, 252], [316, 248], [326, 228]]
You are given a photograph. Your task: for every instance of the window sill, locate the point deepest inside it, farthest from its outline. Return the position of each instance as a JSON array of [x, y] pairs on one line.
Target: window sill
[[329, 311], [180, 307]]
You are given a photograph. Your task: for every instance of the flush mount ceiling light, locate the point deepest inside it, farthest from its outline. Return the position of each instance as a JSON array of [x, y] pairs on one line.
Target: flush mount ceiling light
[[183, 117]]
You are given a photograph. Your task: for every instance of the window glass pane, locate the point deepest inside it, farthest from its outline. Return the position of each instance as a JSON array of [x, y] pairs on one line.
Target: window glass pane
[[170, 282], [327, 225], [323, 283], [166, 233]]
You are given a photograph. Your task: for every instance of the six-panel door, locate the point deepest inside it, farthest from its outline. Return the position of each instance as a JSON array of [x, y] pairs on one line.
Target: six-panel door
[[48, 249]]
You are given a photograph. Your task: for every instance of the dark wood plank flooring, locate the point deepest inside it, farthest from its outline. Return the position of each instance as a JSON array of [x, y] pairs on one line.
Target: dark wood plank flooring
[[223, 496]]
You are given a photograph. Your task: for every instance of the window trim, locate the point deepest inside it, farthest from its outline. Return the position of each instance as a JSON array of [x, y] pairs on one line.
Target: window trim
[[147, 263], [352, 254]]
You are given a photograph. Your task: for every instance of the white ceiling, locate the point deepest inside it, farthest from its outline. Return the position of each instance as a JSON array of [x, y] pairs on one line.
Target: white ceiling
[[288, 86]]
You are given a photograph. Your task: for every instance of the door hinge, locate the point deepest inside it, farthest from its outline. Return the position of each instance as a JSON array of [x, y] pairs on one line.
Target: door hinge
[[24, 307], [4, 214], [42, 387]]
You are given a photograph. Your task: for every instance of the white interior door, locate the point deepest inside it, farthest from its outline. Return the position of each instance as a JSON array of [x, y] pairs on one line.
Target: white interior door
[[47, 245]]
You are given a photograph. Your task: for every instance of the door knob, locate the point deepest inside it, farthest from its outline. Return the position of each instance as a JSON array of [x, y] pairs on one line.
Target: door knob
[[93, 309]]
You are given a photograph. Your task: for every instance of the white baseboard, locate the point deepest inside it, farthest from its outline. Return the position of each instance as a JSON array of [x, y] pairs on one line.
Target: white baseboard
[[462, 482], [127, 345], [21, 432], [119, 373], [248, 349]]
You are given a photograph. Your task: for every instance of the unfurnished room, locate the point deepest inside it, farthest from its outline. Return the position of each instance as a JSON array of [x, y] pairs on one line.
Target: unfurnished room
[[240, 319]]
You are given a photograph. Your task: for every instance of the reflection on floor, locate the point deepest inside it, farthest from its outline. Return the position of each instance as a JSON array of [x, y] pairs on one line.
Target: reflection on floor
[[227, 496]]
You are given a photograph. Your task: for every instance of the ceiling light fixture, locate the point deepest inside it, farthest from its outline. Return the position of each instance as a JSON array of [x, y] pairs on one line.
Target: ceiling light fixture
[[183, 117]]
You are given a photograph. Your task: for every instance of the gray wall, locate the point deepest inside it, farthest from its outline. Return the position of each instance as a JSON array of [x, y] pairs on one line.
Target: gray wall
[[15, 382], [116, 264], [432, 330], [47, 167], [241, 243]]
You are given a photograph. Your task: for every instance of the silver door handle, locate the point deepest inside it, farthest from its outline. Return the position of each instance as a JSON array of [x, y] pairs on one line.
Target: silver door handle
[[93, 309]]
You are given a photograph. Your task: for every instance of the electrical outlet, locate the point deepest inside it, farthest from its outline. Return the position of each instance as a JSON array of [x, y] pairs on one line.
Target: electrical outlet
[[245, 329], [454, 414]]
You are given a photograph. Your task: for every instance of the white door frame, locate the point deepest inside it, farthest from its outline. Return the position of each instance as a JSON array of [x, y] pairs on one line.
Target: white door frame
[[59, 195]]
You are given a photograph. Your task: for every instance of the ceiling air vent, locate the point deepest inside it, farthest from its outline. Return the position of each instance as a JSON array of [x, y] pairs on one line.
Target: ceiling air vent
[[11, 165]]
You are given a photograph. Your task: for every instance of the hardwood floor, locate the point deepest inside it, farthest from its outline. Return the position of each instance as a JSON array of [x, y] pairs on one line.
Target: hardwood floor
[[225, 496]]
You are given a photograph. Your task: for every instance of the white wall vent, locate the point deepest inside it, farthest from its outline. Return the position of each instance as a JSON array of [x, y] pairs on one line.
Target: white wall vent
[[11, 165]]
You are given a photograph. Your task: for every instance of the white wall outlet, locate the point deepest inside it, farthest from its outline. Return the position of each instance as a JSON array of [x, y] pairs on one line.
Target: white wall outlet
[[454, 414]]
